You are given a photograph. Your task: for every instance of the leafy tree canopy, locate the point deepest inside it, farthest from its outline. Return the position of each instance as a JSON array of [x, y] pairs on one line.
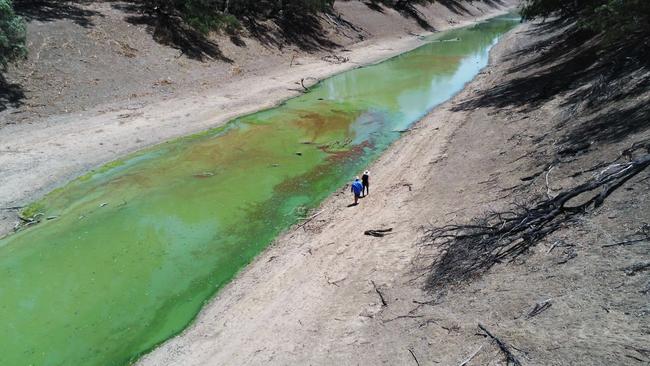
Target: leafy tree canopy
[[12, 34], [205, 15], [616, 16]]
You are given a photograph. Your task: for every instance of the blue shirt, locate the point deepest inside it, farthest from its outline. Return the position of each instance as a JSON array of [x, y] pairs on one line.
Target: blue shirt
[[357, 187]]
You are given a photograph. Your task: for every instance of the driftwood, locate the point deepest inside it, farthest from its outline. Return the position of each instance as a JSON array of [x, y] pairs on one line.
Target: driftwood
[[379, 233], [510, 358], [469, 250]]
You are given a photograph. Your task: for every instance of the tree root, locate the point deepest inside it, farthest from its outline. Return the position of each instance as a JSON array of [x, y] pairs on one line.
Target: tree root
[[471, 249]]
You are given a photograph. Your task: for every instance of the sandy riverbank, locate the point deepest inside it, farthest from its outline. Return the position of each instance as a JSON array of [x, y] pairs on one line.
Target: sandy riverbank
[[44, 153], [314, 296]]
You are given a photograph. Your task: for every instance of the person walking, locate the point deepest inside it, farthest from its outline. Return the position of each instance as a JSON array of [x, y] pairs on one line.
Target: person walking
[[357, 189], [365, 180]]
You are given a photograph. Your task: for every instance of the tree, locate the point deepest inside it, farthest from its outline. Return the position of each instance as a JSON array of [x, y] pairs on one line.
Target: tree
[[12, 34], [206, 15], [615, 16]]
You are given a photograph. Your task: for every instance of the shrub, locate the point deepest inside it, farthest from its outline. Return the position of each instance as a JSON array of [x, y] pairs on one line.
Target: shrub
[[12, 34]]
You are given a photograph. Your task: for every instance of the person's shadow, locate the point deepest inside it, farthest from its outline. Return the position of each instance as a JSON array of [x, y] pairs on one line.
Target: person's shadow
[[353, 204]]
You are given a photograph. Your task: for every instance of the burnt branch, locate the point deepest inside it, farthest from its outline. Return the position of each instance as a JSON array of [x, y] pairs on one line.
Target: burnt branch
[[469, 250], [510, 357]]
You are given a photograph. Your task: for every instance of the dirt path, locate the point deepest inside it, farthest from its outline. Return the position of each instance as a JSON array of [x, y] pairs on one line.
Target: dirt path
[[326, 294], [38, 158]]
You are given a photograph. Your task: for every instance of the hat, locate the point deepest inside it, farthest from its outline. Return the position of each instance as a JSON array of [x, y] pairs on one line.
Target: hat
[[356, 178], [366, 172]]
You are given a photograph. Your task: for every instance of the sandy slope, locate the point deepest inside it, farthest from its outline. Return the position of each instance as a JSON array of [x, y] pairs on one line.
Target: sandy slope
[[310, 298], [40, 154]]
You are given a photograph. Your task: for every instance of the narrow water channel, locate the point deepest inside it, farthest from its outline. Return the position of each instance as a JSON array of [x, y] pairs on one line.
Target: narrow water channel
[[138, 246]]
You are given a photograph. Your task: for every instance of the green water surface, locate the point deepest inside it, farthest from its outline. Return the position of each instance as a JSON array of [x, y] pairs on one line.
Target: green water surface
[[138, 246]]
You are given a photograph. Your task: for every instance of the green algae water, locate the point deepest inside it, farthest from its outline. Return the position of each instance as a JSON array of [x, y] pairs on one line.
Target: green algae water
[[138, 246]]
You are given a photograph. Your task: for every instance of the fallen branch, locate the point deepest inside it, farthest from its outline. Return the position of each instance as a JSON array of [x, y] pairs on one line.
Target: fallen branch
[[381, 296], [403, 317], [379, 233], [335, 282], [645, 231], [302, 83], [539, 308], [548, 188], [471, 356], [627, 242], [552, 247], [510, 358], [414, 358], [309, 219], [469, 250], [636, 268], [11, 208]]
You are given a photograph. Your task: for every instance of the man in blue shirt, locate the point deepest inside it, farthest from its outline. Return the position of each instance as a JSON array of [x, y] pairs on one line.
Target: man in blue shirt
[[357, 189]]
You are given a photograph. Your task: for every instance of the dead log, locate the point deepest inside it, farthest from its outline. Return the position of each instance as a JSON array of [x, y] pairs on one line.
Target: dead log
[[379, 233]]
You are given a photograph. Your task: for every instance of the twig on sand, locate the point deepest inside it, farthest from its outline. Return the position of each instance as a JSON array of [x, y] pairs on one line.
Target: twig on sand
[[539, 308], [414, 358], [548, 188], [335, 282], [403, 317], [510, 358], [302, 83], [381, 296], [471, 356], [553, 247], [309, 219], [645, 231], [11, 208], [634, 269], [627, 242]]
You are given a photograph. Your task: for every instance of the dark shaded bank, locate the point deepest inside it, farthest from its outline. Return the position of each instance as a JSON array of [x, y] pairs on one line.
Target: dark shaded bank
[[600, 140], [11, 94]]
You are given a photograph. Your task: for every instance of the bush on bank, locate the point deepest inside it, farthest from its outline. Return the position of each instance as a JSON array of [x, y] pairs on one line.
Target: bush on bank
[[12, 34]]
